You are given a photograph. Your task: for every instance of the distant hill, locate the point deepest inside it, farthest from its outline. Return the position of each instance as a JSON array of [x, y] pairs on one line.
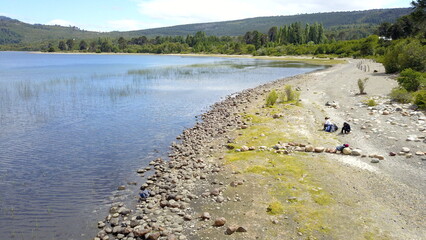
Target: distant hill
[[14, 31], [262, 24]]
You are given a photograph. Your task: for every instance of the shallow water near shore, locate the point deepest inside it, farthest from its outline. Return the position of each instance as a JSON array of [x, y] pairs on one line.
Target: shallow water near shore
[[75, 127]]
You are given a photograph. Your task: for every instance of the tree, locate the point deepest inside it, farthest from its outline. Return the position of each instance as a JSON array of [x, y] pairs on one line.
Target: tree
[[419, 15], [50, 47], [62, 46], [70, 44], [368, 45], [106, 46], [93, 46], [272, 34], [122, 43], [321, 36], [384, 29], [139, 41], [83, 45]]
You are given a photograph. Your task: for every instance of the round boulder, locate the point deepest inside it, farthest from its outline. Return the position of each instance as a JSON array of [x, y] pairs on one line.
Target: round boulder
[[347, 151], [356, 152], [319, 149], [309, 148]]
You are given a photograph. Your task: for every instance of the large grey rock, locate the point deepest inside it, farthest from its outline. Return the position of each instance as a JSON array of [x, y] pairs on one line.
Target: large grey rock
[[356, 152]]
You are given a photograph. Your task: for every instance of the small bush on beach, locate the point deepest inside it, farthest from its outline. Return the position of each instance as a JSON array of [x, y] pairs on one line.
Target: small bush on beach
[[420, 99], [411, 80], [272, 98], [292, 95], [361, 85], [401, 95], [371, 102], [289, 94], [275, 208]]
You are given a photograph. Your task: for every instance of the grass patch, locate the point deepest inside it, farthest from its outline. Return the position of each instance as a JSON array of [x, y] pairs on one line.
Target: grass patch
[[275, 208]]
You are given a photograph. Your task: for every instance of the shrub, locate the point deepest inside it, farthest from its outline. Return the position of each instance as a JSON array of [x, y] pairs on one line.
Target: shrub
[[401, 95], [289, 94], [271, 99], [371, 102], [408, 53], [411, 80], [275, 208], [420, 98], [361, 85]]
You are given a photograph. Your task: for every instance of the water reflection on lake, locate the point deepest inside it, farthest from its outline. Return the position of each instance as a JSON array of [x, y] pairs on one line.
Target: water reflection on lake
[[74, 127]]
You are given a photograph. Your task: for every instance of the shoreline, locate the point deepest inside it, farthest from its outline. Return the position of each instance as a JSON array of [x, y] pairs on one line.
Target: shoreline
[[186, 167], [207, 191], [306, 59]]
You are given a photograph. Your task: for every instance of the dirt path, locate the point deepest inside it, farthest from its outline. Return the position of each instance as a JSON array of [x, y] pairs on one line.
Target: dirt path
[[294, 194]]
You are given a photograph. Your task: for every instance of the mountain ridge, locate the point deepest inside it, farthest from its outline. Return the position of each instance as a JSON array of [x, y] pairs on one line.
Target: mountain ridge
[[13, 31]]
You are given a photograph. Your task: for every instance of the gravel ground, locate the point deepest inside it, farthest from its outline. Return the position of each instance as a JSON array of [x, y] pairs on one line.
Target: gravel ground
[[384, 200]]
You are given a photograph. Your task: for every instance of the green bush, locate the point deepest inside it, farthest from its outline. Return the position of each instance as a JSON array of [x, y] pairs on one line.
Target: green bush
[[408, 53], [361, 85], [371, 102], [271, 99], [420, 99], [290, 94], [401, 95], [411, 80]]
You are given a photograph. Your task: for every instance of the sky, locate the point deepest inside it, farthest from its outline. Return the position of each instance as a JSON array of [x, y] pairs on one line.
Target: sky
[[126, 15]]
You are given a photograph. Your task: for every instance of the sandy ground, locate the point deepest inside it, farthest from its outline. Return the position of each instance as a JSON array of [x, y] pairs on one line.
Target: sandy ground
[[358, 199]]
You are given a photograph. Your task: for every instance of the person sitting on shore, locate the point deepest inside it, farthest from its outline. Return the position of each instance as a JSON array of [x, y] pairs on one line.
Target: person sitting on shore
[[341, 147], [327, 124], [346, 128]]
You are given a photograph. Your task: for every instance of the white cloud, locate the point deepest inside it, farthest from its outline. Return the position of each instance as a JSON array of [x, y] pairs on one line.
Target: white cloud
[[60, 22], [197, 11]]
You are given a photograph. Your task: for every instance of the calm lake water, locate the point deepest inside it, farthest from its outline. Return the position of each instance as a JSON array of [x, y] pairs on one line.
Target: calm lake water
[[75, 127]]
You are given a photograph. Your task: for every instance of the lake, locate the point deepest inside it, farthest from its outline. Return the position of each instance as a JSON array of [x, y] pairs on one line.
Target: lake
[[74, 127]]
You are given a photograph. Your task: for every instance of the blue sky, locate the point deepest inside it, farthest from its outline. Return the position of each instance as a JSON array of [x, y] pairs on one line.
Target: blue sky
[[124, 15]]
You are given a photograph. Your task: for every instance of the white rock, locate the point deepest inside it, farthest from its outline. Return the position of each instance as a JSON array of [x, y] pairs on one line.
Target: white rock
[[347, 151], [244, 148], [405, 149]]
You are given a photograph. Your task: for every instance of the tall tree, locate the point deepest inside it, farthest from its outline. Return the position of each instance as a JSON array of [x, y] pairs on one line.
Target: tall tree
[[62, 46], [122, 43], [70, 44], [272, 34], [83, 45]]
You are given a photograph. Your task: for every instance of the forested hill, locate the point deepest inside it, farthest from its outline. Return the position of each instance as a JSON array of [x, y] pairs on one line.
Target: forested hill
[[14, 31], [262, 24]]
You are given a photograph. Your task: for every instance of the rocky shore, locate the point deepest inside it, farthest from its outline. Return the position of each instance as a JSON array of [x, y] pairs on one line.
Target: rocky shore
[[175, 183], [249, 172]]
